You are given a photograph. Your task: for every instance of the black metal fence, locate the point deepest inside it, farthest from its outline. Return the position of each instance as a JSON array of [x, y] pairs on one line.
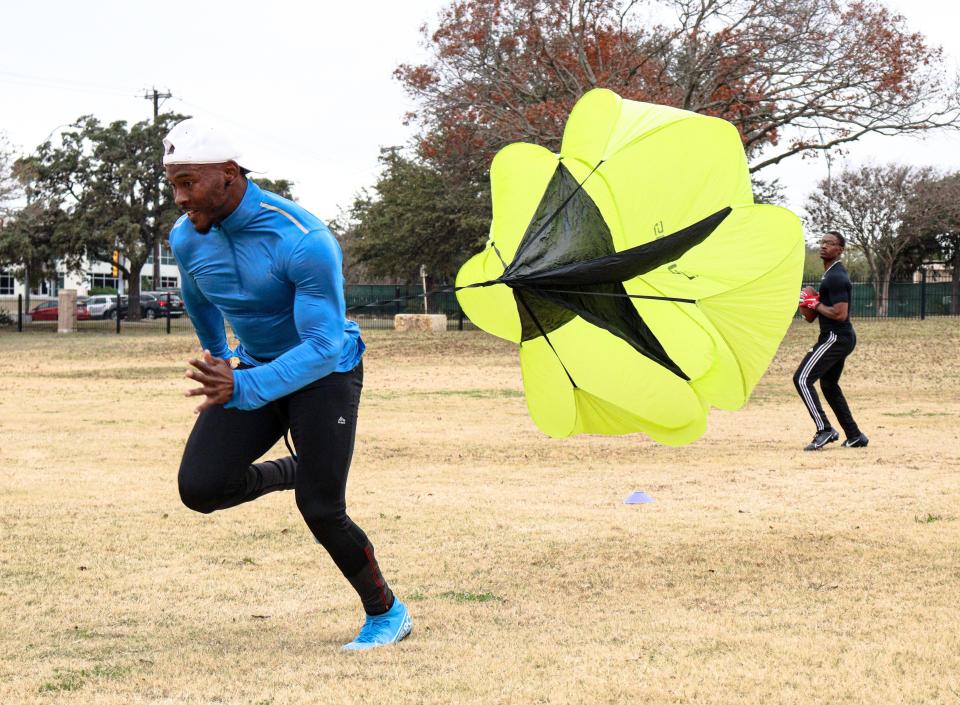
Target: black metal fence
[[905, 299], [373, 306]]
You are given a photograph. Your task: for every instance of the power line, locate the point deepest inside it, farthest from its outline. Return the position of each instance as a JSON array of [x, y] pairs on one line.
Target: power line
[[62, 84], [298, 150]]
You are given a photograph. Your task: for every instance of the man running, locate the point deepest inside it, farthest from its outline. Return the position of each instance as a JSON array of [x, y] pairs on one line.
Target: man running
[[273, 270], [837, 340]]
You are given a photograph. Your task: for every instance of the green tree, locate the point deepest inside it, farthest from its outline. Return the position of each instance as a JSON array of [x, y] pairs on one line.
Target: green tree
[[933, 215], [31, 244], [32, 236], [111, 182], [416, 215], [853, 260], [812, 264], [281, 187]]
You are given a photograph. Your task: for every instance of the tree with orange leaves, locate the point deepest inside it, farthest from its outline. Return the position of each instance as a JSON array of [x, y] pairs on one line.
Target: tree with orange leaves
[[794, 76]]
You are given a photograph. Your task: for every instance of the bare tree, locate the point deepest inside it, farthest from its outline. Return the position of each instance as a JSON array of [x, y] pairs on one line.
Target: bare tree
[[795, 76], [868, 205]]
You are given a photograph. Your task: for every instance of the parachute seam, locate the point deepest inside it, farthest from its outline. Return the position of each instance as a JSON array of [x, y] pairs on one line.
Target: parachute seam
[[613, 129], [646, 135], [743, 376], [643, 419], [526, 241], [674, 299], [621, 229], [546, 338], [758, 277]]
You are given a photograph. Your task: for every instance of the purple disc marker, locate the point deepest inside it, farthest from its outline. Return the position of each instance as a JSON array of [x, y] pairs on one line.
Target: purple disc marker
[[638, 498]]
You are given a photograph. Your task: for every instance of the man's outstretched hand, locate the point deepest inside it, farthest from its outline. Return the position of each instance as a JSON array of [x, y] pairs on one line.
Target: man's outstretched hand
[[215, 375]]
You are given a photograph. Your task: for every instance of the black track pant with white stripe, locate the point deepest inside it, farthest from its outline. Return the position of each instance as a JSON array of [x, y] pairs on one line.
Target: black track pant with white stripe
[[824, 362]]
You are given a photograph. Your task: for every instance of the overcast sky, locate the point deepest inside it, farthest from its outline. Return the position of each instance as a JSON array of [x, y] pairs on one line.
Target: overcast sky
[[307, 87]]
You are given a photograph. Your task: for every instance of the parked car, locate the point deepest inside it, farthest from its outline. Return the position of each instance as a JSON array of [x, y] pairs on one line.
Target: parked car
[[49, 311], [153, 304], [111, 310], [100, 304]]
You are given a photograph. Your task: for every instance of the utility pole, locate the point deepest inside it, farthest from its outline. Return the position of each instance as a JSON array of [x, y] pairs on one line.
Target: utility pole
[[156, 97]]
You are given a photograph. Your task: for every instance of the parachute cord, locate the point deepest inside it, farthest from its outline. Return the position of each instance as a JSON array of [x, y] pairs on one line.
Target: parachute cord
[[542, 229], [621, 296], [494, 282], [545, 337], [418, 295], [497, 251]]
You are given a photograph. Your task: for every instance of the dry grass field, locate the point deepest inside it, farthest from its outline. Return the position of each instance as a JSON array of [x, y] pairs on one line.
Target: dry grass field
[[761, 574]]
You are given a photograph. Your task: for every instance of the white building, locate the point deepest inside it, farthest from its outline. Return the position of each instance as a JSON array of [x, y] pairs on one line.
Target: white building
[[93, 276]]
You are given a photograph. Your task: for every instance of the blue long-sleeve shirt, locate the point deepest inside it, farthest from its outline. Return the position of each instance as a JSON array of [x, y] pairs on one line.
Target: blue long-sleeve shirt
[[274, 271]]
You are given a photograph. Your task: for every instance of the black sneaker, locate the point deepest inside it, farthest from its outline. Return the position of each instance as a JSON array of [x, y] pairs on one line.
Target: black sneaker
[[859, 441], [822, 438]]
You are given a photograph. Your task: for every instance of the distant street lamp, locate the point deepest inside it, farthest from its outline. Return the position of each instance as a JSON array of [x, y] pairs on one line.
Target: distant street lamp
[[423, 280]]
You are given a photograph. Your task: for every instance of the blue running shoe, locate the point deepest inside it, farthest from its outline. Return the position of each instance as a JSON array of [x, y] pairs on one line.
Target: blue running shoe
[[379, 630]]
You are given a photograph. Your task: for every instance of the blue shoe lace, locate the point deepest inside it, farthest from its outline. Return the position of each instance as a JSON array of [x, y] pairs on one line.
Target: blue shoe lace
[[374, 631], [383, 628]]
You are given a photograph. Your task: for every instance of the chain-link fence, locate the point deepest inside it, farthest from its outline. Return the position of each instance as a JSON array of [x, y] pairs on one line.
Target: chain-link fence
[[374, 306]]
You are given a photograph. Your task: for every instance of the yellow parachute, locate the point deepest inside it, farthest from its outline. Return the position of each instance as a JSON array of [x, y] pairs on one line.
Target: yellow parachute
[[636, 273]]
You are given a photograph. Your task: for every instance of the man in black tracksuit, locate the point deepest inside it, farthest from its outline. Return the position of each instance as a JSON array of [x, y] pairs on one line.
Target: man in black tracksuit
[[837, 339]]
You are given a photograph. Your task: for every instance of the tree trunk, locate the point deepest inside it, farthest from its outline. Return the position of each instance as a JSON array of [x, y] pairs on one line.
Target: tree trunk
[[156, 264], [133, 293], [26, 282], [955, 283], [877, 279], [884, 308]]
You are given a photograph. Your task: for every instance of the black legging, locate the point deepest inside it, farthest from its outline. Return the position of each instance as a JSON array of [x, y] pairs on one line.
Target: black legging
[[217, 471]]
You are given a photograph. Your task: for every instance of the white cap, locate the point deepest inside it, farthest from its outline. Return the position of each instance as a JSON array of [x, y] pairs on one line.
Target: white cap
[[196, 142]]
